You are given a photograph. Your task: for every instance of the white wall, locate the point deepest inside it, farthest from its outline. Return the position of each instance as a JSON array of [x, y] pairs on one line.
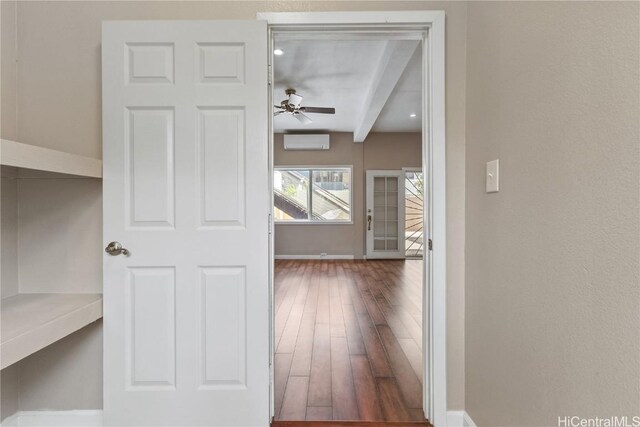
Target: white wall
[[552, 260]]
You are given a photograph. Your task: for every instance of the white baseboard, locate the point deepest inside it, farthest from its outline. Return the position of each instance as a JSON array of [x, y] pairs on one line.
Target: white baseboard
[[93, 418], [459, 419], [314, 256], [86, 418]]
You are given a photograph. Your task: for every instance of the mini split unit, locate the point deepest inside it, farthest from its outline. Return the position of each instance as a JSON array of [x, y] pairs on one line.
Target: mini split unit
[[306, 141]]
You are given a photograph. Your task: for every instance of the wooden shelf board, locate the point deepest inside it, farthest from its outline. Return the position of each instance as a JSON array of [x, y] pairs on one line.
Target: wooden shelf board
[[31, 322], [27, 156]]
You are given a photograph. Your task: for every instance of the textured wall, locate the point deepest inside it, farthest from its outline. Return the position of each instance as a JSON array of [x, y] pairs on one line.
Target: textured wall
[[8, 70], [552, 273]]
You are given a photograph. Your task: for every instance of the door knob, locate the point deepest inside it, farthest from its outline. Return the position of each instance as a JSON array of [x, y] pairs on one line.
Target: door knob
[[369, 222], [115, 248]]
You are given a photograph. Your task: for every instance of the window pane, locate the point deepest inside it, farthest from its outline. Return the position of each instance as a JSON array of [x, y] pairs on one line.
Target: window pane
[[331, 196], [291, 195]]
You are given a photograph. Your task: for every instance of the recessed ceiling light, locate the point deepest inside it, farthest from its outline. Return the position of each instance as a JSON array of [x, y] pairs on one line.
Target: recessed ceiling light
[[412, 115], [278, 52]]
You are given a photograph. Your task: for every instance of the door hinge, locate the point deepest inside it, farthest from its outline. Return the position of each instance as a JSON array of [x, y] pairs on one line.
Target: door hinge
[[269, 226], [430, 244], [270, 75]]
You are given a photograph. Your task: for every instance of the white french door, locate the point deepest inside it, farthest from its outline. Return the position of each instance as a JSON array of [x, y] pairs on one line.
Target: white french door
[[186, 193], [384, 219]]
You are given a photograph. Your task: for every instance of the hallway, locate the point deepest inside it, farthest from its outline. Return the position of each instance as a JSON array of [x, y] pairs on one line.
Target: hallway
[[348, 340]]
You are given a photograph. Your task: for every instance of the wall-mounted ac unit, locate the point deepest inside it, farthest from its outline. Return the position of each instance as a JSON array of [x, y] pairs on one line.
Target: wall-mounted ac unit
[[306, 141]]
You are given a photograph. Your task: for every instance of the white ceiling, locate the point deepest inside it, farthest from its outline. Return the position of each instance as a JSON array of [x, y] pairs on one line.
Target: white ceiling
[[405, 99], [366, 81]]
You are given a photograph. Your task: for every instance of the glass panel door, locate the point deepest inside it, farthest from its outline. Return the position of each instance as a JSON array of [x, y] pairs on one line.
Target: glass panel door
[[385, 203]]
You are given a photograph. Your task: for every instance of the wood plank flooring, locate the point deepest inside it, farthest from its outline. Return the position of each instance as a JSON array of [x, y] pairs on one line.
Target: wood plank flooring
[[348, 340]]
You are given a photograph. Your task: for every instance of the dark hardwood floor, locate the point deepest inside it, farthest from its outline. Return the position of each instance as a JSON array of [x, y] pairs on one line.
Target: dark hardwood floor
[[348, 340]]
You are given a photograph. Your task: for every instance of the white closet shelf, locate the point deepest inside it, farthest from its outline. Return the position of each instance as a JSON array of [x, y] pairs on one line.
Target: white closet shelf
[[33, 157], [31, 322]]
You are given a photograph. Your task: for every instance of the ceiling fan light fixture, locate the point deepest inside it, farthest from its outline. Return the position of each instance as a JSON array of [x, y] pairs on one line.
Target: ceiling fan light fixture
[[412, 115], [294, 100], [278, 52]]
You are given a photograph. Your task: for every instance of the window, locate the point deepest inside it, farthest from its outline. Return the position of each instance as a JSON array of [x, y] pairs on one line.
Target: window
[[312, 195]]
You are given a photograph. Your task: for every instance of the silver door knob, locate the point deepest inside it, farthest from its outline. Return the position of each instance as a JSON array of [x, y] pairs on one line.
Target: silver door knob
[[115, 248]]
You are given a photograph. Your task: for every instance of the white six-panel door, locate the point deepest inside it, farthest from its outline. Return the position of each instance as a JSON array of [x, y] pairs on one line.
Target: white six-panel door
[[186, 193]]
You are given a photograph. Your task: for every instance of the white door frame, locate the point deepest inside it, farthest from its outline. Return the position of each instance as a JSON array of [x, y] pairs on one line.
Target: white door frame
[[433, 166]]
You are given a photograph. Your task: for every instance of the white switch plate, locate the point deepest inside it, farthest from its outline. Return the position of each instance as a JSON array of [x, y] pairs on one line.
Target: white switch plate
[[493, 176]]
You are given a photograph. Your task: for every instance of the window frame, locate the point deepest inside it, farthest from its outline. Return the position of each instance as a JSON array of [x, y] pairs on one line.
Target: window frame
[[312, 169]]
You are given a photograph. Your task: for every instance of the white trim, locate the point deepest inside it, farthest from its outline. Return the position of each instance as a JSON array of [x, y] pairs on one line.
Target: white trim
[[426, 17], [433, 163], [33, 321], [84, 418], [459, 419], [272, 226], [434, 167], [411, 169], [314, 257], [27, 156]]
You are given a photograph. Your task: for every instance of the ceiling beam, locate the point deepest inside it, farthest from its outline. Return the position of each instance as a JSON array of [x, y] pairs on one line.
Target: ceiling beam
[[392, 64]]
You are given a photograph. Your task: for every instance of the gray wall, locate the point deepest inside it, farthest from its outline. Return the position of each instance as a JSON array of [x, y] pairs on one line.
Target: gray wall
[[379, 151], [553, 294]]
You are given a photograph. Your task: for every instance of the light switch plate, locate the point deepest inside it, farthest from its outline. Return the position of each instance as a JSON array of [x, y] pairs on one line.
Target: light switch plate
[[493, 176]]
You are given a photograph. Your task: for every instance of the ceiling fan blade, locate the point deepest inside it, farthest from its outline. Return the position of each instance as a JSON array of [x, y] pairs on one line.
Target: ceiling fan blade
[[295, 100], [275, 113], [302, 118], [321, 110]]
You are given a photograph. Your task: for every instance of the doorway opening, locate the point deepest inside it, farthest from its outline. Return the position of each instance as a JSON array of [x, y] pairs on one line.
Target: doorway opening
[[349, 280]]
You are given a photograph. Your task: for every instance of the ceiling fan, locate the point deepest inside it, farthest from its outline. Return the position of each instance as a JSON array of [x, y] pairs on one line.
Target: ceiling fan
[[292, 106]]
